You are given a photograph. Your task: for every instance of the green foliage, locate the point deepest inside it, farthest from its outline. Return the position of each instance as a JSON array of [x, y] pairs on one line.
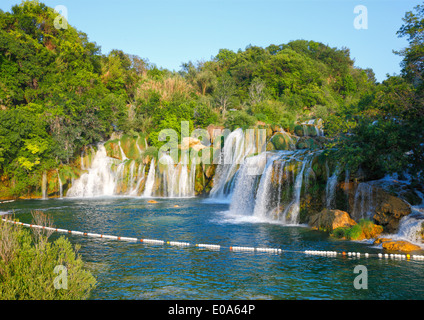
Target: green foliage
[[365, 229], [27, 267], [239, 119]]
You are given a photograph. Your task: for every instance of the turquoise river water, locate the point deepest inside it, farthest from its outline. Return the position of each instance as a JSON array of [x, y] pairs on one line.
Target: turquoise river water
[[126, 270]]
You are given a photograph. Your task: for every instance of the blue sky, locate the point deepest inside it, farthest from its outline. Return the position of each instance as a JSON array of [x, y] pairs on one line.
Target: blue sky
[[169, 33]]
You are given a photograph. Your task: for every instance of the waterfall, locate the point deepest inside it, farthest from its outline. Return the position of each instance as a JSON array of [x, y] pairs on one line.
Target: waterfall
[[148, 191], [259, 184], [291, 213], [330, 189], [263, 198], [411, 227], [131, 179], [60, 184], [44, 186], [99, 180], [236, 149], [108, 176], [140, 178], [82, 161], [178, 180], [123, 156], [243, 199], [363, 202]]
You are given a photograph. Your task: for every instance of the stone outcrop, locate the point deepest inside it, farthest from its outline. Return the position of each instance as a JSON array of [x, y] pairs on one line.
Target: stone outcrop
[[329, 220], [389, 210], [283, 141], [396, 245], [194, 143]]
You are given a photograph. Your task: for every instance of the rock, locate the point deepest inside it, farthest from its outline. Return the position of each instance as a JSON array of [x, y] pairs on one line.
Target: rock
[[370, 230], [283, 141], [329, 220], [381, 240], [403, 246], [389, 210], [365, 229], [214, 131], [270, 146], [308, 143], [194, 143]]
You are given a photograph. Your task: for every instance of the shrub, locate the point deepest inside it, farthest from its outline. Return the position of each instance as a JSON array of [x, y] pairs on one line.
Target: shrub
[[365, 229], [27, 265]]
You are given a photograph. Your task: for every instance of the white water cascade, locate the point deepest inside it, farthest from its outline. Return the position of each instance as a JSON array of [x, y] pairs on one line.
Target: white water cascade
[[60, 184], [363, 201], [148, 190], [100, 180], [44, 186], [107, 176], [259, 186], [236, 148], [330, 189], [177, 180]]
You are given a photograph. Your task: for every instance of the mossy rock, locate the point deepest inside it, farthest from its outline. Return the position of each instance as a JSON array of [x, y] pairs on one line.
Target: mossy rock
[[298, 130], [129, 146], [282, 141], [270, 146], [112, 149], [365, 229], [307, 143]]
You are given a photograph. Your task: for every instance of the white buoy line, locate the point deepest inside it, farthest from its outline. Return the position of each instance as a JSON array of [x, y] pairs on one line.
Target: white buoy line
[[215, 247]]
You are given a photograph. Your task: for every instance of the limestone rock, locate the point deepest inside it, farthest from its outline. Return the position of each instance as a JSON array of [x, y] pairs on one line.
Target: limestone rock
[[194, 143], [389, 210], [283, 141], [328, 220], [403, 246]]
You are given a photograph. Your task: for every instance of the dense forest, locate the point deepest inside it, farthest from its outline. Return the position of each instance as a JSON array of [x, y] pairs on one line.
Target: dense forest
[[59, 93]]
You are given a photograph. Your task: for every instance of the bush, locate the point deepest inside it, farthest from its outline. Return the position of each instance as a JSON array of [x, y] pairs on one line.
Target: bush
[[239, 119], [365, 229], [27, 264]]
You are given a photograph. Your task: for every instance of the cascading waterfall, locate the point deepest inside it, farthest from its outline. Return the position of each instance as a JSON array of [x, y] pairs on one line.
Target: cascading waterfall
[[263, 198], [330, 189], [259, 192], [44, 186], [177, 180], [291, 213], [411, 227], [243, 199], [363, 201], [100, 180], [148, 191], [236, 148], [60, 184], [140, 178], [107, 176]]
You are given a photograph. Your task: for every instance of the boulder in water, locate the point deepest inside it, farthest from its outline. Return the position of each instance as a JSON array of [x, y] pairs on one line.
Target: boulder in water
[[329, 220], [389, 210], [403, 246]]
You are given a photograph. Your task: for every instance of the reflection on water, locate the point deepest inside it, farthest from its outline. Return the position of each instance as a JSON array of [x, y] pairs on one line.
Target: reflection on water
[[141, 271]]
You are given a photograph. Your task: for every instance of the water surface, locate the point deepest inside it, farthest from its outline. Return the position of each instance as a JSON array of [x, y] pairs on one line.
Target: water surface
[[141, 271]]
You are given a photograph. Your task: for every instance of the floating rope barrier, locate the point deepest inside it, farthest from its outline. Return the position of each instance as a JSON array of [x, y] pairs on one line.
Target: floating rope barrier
[[215, 247]]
